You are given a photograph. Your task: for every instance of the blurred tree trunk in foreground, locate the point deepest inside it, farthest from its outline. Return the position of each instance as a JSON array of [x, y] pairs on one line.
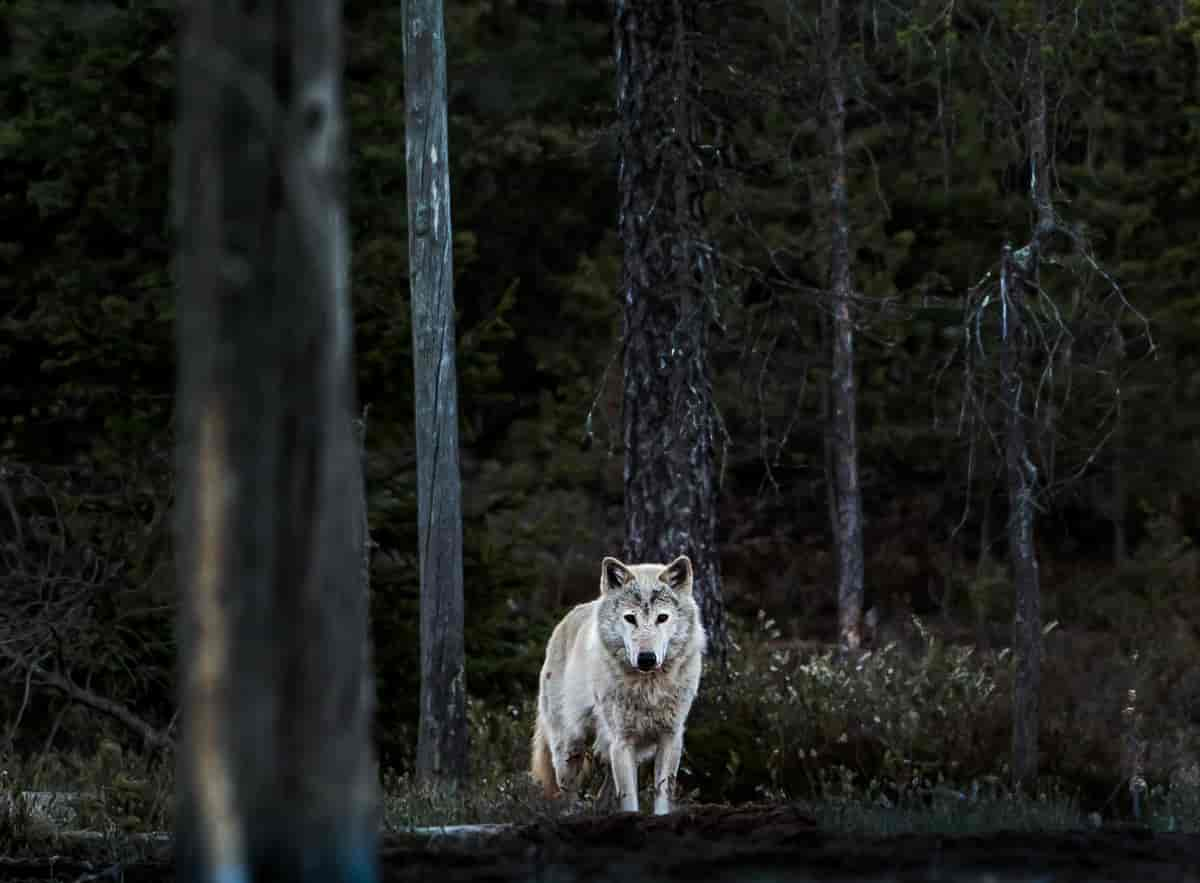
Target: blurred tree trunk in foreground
[[276, 773]]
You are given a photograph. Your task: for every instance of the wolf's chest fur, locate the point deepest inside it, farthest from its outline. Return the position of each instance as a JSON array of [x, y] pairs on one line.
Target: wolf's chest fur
[[640, 708]]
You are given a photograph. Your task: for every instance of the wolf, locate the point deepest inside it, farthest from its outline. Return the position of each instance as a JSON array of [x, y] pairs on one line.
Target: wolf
[[622, 670]]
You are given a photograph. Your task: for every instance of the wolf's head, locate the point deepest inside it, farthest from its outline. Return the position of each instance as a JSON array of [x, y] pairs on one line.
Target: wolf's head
[[647, 614]]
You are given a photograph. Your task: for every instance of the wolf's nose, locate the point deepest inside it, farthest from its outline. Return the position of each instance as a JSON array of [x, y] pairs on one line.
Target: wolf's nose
[[647, 660]]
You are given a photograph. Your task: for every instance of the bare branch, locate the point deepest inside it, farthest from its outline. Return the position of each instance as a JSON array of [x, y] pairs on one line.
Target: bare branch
[[151, 737]]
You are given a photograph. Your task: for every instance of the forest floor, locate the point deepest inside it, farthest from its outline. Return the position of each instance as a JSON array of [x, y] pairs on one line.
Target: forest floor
[[750, 844]]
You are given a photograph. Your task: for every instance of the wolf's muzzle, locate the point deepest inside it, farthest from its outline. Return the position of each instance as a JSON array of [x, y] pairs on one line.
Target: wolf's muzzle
[[647, 661]]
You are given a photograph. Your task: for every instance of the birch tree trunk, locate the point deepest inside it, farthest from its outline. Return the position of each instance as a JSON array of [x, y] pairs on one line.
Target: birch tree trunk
[[442, 735], [843, 425], [276, 773], [671, 485]]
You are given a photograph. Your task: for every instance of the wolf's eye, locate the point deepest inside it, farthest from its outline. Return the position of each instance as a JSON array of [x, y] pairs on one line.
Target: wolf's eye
[[631, 619], [662, 617]]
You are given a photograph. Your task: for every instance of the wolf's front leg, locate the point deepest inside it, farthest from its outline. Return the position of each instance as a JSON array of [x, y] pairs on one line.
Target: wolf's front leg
[[624, 769], [666, 765]]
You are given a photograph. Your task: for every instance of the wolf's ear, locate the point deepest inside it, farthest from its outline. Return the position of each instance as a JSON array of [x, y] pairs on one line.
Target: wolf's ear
[[613, 575], [678, 575]]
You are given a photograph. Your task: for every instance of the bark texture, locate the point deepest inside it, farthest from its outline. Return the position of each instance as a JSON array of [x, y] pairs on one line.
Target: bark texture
[[1019, 471], [671, 482], [1021, 474], [442, 735], [843, 425], [276, 772], [1119, 494], [1038, 126]]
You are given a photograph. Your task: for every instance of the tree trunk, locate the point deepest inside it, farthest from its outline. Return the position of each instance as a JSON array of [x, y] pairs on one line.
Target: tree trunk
[[671, 484], [1120, 543], [442, 737], [276, 772], [1027, 625], [1119, 495], [1038, 130], [983, 600], [843, 425]]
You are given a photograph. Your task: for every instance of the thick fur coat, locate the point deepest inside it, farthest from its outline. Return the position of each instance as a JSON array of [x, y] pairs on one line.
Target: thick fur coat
[[622, 672]]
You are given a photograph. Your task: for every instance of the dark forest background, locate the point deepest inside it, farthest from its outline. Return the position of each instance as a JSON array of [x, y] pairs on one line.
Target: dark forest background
[[938, 183]]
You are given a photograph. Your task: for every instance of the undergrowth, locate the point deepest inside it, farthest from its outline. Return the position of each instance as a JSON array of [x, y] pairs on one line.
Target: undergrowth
[[93, 803], [910, 738]]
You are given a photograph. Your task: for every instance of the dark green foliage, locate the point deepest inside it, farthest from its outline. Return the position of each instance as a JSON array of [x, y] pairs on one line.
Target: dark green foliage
[[85, 311]]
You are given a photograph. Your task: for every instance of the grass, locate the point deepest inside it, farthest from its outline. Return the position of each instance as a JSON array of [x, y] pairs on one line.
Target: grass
[[113, 795], [857, 812], [509, 800]]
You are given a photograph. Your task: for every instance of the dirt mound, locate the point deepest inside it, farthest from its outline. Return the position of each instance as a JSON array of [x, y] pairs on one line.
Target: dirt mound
[[715, 844], [778, 844]]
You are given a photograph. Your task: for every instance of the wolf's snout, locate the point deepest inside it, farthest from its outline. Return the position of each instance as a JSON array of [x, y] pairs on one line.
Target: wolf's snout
[[646, 660]]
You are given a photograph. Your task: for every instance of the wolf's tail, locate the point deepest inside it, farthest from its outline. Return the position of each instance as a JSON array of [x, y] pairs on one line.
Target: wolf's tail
[[541, 765]]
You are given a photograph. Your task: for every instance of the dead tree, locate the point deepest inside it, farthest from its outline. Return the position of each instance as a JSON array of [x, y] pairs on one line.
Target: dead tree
[[1021, 480], [442, 736], [1015, 323], [842, 428], [276, 771], [671, 481]]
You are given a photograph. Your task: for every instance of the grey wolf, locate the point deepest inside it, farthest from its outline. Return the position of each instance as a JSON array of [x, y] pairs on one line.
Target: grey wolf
[[622, 670]]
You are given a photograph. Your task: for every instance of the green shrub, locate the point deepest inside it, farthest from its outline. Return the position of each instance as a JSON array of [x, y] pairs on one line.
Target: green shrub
[[888, 715]]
